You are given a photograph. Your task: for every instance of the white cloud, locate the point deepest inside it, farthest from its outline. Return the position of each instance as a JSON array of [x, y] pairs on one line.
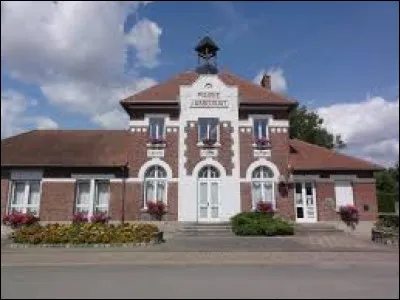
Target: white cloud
[[145, 36], [370, 128], [278, 80], [14, 118], [76, 51], [114, 119]]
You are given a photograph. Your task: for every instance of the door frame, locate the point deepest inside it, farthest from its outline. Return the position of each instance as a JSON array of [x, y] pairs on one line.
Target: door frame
[[209, 181], [305, 219]]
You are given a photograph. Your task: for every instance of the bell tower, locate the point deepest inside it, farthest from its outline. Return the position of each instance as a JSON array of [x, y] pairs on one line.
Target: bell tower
[[207, 56]]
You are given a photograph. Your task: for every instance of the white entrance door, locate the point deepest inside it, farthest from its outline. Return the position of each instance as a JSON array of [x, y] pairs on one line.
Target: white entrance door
[[305, 202], [208, 195]]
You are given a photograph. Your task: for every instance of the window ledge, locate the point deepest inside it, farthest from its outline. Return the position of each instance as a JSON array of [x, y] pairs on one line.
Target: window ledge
[[150, 145], [201, 145]]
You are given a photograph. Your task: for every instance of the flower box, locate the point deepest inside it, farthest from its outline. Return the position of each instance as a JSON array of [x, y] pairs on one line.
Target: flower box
[[263, 143], [209, 142]]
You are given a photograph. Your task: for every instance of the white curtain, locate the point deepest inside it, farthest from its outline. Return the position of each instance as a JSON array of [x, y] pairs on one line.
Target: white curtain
[[149, 190], [34, 197], [160, 191], [102, 197], [268, 195], [203, 200], [257, 193], [83, 200], [17, 203]]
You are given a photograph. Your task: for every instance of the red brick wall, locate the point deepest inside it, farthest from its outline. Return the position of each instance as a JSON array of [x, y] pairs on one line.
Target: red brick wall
[[57, 201], [116, 200], [279, 151], [137, 151], [133, 200], [4, 195], [192, 152], [245, 196], [285, 201], [172, 201], [326, 211], [365, 194]]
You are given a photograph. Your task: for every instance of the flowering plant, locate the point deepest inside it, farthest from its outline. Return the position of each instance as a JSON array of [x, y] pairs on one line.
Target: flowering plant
[[16, 219], [157, 209], [209, 142], [80, 217], [265, 207], [157, 141], [100, 217], [263, 143], [349, 214]]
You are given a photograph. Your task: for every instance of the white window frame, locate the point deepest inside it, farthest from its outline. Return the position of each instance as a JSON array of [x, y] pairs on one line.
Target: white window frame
[[155, 180], [200, 141], [92, 196], [262, 180], [25, 205], [267, 119]]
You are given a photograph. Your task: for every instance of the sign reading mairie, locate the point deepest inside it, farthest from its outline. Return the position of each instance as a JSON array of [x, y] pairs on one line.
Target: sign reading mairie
[[209, 100]]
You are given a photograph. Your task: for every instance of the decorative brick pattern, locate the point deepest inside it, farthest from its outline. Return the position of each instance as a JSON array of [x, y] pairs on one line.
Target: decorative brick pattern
[[4, 195], [326, 211], [245, 196], [365, 194]]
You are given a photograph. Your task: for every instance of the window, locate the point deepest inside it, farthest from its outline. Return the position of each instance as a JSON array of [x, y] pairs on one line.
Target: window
[[25, 197], [155, 185], [260, 128], [208, 129], [343, 193], [262, 185], [92, 196], [209, 172], [156, 128]]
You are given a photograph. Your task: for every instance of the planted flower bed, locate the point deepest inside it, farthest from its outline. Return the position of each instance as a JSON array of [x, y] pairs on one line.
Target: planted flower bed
[[86, 233], [386, 230], [260, 223]]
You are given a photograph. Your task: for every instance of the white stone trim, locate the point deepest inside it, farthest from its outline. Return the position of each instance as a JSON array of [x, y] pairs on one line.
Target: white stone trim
[[279, 123], [209, 162], [153, 162], [262, 162], [272, 122], [59, 179]]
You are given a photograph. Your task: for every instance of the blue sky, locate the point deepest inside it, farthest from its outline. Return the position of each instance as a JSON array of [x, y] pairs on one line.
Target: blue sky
[[67, 65]]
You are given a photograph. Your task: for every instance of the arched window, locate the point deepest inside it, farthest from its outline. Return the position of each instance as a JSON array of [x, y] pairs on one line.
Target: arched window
[[155, 185], [209, 172], [262, 185]]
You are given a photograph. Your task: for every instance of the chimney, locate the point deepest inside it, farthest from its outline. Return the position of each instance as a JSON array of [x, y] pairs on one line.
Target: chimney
[[266, 82]]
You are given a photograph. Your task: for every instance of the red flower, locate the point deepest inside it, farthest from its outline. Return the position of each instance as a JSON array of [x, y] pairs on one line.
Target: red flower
[[263, 143], [265, 207], [80, 218], [349, 214], [16, 219], [156, 209], [209, 142], [158, 141], [101, 217]]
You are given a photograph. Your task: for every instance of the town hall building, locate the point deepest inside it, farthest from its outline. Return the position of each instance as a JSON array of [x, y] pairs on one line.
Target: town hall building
[[209, 144]]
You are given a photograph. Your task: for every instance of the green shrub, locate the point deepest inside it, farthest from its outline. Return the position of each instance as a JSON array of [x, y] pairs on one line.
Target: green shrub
[[259, 224], [389, 221], [85, 233], [386, 201]]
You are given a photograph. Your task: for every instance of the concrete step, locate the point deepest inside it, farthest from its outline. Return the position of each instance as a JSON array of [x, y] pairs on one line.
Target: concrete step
[[316, 228]]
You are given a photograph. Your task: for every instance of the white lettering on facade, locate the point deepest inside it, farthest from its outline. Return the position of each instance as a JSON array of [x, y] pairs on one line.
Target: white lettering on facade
[[209, 100]]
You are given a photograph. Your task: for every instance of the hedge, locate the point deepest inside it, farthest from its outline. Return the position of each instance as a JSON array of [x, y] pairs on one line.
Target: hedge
[[260, 224]]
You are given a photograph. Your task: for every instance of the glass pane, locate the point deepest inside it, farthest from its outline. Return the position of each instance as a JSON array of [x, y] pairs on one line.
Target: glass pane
[[203, 193], [149, 191], [268, 195], [213, 172], [256, 191], [82, 209], [160, 191], [151, 172], [19, 194], [300, 212], [34, 193], [214, 212], [308, 188], [161, 173], [260, 128], [103, 194], [203, 212], [214, 193], [267, 172], [83, 193], [257, 173], [208, 128], [33, 210], [156, 128]]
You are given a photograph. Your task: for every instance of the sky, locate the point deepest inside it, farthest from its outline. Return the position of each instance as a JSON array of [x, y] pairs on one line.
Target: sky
[[67, 65]]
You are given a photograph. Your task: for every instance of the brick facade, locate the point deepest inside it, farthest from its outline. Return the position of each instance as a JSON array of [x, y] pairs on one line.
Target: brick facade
[[57, 201], [4, 195], [365, 194], [172, 201], [285, 201], [225, 153], [326, 211], [245, 196]]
